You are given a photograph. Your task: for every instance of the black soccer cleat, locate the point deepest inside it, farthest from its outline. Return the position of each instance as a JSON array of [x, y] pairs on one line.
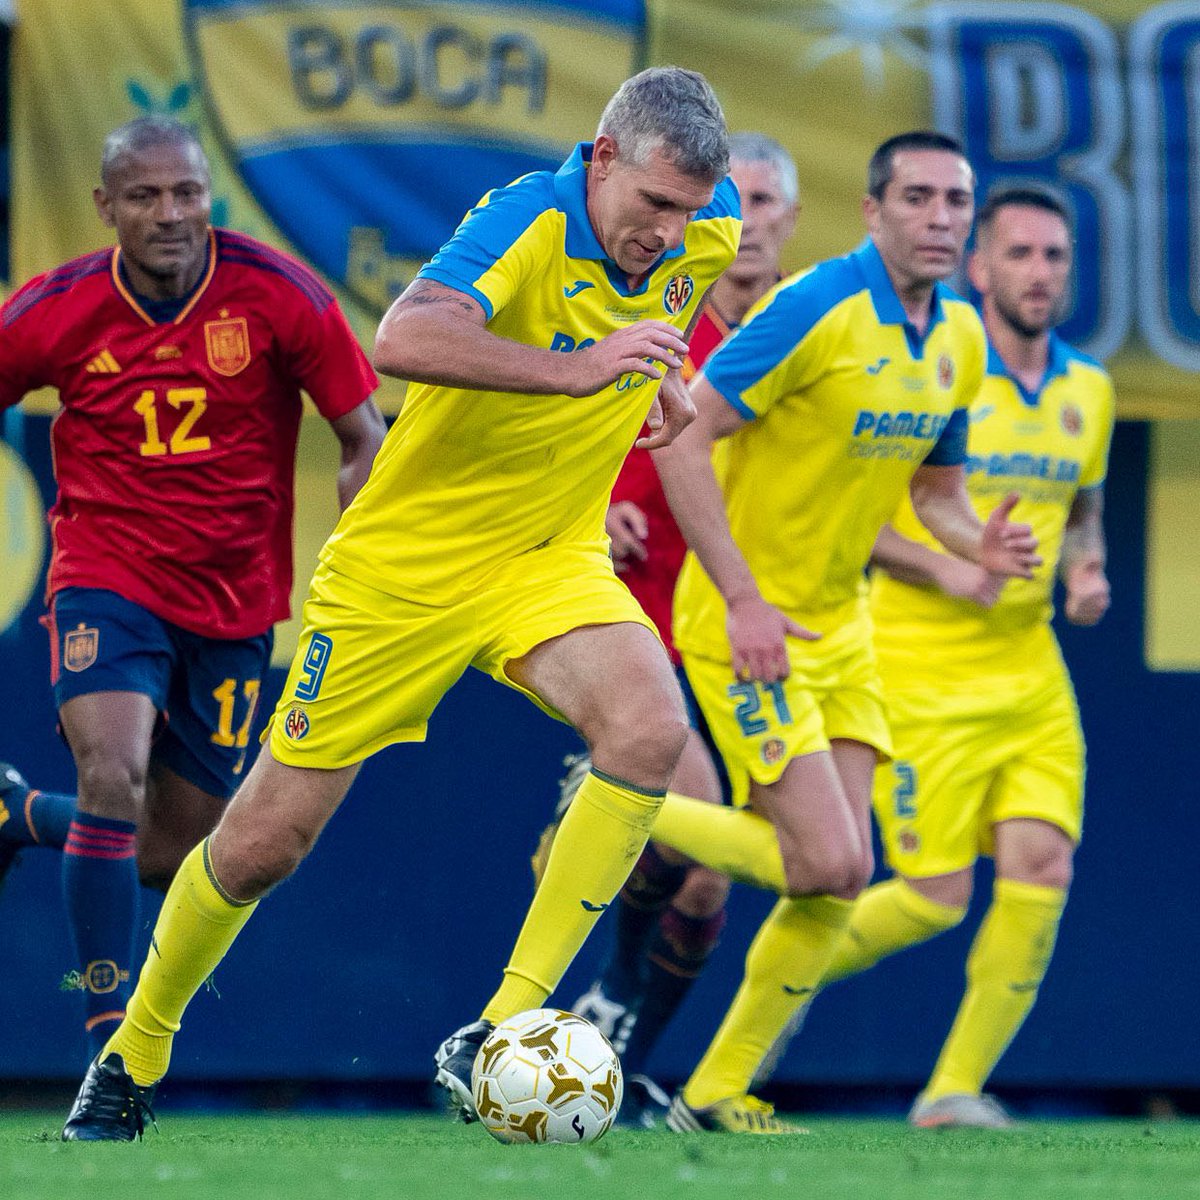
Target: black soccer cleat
[[110, 1107], [645, 1105], [454, 1059], [13, 790]]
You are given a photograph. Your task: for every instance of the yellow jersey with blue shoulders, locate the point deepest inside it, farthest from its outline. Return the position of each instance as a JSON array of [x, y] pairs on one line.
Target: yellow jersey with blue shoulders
[[843, 400], [1047, 445], [467, 480]]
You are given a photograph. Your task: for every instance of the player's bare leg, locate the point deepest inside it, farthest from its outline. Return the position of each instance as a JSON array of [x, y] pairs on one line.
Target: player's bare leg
[[178, 815]]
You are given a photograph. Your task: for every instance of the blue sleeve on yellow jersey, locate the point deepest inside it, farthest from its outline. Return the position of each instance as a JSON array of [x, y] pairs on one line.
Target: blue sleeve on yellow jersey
[[777, 329], [726, 202], [487, 232], [950, 450]]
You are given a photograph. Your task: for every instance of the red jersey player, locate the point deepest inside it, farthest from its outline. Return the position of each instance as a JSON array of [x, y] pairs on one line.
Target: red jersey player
[[179, 357], [671, 912]]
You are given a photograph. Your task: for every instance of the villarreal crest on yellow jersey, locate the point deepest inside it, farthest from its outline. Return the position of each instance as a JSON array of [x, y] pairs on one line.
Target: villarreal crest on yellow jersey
[[843, 400], [467, 480], [1047, 446]]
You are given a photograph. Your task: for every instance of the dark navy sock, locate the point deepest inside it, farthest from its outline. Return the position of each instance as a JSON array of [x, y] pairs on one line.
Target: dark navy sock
[[39, 819], [649, 889], [681, 947], [100, 885]]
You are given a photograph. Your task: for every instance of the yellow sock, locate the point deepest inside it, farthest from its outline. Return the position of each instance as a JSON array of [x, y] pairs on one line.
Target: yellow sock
[[1004, 970], [196, 926], [600, 838], [736, 842], [785, 964], [886, 918]]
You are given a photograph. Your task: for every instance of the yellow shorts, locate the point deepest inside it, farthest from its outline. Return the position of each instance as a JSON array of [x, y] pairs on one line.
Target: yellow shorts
[[370, 667], [966, 760], [833, 691]]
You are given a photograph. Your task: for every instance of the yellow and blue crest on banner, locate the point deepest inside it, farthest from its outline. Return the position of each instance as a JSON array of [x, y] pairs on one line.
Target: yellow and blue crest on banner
[[367, 130]]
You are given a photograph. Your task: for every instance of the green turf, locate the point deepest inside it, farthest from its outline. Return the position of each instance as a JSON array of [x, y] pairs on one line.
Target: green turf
[[258, 1157]]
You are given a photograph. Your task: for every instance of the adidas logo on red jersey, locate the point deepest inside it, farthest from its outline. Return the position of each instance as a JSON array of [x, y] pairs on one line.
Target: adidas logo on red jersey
[[103, 364]]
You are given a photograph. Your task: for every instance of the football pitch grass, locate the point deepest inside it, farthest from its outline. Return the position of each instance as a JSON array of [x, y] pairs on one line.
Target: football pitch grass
[[253, 1156]]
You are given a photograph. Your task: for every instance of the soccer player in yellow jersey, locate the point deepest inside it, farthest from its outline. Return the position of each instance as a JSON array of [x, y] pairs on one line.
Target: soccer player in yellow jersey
[[989, 755], [846, 387], [538, 339]]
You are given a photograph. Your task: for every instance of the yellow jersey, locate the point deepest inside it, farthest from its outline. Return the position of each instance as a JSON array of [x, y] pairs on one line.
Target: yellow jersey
[[1046, 445], [844, 400], [468, 480]]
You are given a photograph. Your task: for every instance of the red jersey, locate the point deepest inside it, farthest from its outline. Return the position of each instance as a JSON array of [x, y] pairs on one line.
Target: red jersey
[[653, 582], [174, 451]]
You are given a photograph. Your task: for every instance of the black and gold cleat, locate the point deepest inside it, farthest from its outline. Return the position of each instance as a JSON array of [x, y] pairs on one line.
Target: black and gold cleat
[[13, 791], [110, 1107], [454, 1059], [737, 1114]]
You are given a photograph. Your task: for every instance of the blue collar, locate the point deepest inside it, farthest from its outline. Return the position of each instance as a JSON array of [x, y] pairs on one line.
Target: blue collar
[[888, 309], [1057, 362], [570, 191]]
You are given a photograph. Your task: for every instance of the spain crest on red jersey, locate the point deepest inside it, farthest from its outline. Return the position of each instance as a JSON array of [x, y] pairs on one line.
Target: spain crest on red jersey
[[228, 345], [80, 648], [677, 293]]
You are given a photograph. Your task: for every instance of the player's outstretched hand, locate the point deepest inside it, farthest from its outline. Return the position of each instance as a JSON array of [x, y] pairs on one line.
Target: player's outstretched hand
[[966, 581], [758, 634], [1088, 594], [1008, 548], [626, 526], [672, 411], [649, 348]]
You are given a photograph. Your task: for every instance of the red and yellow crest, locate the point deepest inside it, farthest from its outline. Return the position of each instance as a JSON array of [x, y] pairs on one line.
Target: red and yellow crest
[[296, 724], [945, 370], [80, 647], [1071, 419], [677, 293], [228, 345]]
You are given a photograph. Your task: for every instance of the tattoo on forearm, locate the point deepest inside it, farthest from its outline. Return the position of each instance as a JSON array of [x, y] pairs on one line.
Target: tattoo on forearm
[[427, 291]]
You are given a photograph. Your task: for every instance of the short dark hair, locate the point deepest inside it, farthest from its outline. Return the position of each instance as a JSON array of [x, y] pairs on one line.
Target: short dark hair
[[1019, 195], [879, 169], [144, 133]]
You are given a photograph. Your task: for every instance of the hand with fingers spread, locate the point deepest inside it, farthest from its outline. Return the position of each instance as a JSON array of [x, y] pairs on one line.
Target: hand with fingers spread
[[649, 348], [1008, 548], [1088, 593], [758, 634], [627, 528], [671, 413]]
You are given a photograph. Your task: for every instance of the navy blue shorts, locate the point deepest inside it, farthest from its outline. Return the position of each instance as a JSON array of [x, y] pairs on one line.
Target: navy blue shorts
[[206, 688], [700, 725]]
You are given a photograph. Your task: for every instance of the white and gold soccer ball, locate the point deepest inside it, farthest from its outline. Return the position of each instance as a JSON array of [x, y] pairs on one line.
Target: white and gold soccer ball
[[546, 1076]]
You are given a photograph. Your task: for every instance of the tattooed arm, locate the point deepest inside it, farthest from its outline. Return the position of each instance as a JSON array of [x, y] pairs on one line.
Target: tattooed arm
[[435, 334]]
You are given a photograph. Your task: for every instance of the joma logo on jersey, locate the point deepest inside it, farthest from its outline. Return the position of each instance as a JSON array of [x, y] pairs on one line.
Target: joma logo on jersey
[[1025, 466], [926, 426], [677, 293], [361, 110]]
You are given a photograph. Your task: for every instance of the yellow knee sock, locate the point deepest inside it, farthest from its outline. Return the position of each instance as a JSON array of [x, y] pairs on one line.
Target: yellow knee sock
[[785, 964], [886, 918], [196, 926], [1004, 970], [600, 838], [735, 842]]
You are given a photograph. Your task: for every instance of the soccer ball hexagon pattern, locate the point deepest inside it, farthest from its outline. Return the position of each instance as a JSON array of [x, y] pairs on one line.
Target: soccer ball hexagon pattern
[[546, 1076]]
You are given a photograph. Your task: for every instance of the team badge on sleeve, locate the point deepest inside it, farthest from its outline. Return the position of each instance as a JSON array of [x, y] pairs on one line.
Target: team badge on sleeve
[[80, 648], [296, 724], [228, 345], [677, 293]]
